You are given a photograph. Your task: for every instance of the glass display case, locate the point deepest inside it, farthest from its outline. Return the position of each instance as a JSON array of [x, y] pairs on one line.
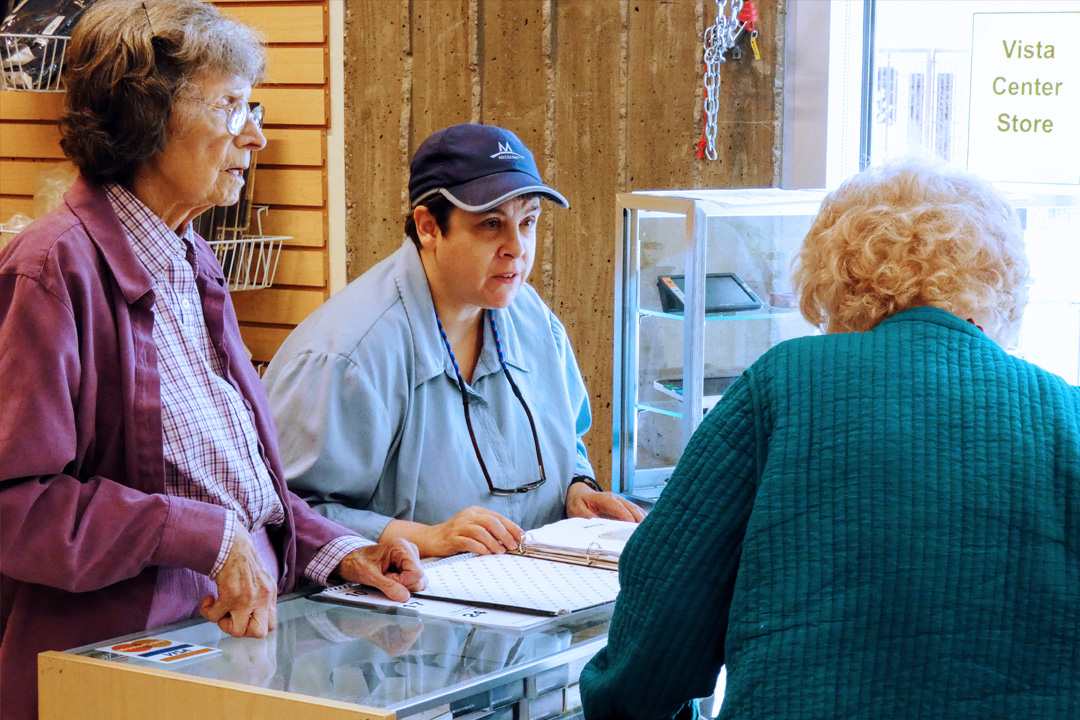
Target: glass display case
[[702, 290]]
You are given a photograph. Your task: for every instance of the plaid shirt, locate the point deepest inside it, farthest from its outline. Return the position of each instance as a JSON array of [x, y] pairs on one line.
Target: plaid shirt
[[212, 450]]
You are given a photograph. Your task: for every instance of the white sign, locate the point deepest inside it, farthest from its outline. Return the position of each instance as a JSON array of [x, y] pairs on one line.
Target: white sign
[[1024, 118]]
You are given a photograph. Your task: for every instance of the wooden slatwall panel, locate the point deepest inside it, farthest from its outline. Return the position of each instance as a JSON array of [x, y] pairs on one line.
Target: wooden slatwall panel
[[290, 175], [607, 95], [29, 144]]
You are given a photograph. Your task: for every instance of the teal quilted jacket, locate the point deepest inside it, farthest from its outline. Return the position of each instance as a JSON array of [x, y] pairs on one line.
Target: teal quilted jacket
[[871, 525]]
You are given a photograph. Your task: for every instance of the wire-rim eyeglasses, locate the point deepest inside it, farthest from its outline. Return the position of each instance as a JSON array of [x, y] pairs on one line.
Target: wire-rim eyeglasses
[[237, 114]]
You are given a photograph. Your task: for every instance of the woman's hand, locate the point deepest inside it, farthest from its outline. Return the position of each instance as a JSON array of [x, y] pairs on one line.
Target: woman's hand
[[391, 566], [246, 604], [583, 501], [474, 529]]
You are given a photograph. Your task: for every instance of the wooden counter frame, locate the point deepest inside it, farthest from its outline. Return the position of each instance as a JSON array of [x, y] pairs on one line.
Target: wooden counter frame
[[73, 686]]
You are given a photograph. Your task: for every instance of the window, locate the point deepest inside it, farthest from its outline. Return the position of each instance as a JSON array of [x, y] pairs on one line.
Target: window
[[898, 76]]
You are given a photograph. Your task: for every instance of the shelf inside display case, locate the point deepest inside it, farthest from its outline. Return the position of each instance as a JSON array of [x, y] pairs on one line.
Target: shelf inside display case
[[714, 388], [670, 400], [762, 313]]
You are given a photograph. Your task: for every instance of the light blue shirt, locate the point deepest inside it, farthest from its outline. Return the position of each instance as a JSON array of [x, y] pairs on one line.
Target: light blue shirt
[[370, 419]]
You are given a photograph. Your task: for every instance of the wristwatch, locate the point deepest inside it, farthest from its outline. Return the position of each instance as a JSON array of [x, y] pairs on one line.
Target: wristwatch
[[588, 481]]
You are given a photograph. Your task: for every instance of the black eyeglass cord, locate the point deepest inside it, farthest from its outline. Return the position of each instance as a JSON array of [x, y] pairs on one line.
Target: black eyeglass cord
[[517, 394]]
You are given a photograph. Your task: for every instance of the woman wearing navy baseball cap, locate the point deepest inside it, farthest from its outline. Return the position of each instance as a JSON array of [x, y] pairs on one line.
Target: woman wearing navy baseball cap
[[437, 397]]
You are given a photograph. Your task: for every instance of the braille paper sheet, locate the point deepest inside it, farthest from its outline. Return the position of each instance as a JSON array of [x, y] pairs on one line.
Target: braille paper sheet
[[521, 583]]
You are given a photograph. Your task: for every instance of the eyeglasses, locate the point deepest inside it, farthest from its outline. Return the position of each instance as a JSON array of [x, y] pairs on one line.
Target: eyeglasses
[[468, 422], [237, 114]]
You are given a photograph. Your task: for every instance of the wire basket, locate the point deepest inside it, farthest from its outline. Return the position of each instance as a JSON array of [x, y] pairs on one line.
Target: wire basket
[[249, 263], [32, 62]]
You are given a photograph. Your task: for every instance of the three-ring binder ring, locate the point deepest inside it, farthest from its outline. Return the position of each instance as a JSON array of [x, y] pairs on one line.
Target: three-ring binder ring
[[593, 547]]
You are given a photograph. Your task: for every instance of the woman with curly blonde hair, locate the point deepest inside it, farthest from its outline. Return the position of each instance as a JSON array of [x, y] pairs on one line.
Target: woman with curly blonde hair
[[908, 235], [879, 522]]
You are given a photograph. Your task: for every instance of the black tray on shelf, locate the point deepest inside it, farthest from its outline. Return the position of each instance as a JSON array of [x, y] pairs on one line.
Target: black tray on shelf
[[724, 293]]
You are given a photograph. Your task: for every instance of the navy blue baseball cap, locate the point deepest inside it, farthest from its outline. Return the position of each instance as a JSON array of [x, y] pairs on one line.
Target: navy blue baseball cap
[[476, 167]]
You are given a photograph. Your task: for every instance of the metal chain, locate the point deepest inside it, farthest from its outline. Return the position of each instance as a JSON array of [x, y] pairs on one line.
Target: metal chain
[[719, 38]]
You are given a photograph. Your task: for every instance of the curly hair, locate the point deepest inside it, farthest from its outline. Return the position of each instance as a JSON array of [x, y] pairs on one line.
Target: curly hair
[[127, 62], [908, 234]]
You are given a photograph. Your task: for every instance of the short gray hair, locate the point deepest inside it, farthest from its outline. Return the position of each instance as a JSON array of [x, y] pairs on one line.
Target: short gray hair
[[128, 61]]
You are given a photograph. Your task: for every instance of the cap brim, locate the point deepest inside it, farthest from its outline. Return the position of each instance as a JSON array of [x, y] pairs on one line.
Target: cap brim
[[485, 193]]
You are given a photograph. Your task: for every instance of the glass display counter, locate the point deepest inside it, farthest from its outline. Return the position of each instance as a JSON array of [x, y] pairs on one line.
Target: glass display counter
[[334, 661], [702, 290]]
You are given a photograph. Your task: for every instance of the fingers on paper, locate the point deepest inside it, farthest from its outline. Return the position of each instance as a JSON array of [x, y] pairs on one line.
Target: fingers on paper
[[393, 567], [484, 532], [404, 566]]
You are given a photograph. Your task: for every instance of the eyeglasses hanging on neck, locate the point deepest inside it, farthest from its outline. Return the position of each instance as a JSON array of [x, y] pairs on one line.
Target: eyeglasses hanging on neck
[[468, 421]]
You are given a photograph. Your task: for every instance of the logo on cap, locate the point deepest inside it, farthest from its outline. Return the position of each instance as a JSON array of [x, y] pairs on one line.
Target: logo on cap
[[506, 153]]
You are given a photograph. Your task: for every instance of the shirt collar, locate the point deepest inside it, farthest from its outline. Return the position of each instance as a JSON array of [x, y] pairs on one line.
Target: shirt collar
[[412, 287], [154, 242], [511, 341], [89, 202]]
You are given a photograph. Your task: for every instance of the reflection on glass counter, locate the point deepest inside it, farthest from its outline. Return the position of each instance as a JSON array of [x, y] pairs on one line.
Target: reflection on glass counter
[[387, 658]]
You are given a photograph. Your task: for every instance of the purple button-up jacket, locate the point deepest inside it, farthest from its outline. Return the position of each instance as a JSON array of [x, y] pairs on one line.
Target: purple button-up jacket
[[84, 518]]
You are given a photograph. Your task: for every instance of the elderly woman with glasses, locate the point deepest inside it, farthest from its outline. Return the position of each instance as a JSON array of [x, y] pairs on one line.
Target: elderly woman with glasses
[[437, 398], [140, 481]]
